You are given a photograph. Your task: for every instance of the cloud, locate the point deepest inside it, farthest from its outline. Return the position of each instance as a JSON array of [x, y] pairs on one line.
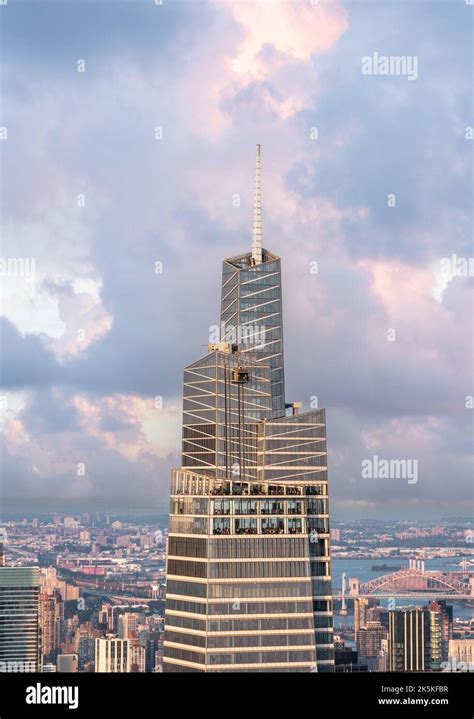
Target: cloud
[[25, 361], [63, 447], [218, 77]]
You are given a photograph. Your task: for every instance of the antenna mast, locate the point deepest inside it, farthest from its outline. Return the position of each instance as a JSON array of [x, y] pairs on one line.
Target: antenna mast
[[257, 213]]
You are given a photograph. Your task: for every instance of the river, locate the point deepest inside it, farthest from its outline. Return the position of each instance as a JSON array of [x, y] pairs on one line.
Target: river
[[362, 569]]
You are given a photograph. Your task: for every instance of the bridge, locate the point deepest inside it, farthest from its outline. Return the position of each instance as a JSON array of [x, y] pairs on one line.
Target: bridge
[[119, 598], [414, 581]]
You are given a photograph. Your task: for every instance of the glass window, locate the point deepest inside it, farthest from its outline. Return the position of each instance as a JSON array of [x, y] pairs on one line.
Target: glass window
[[246, 526], [273, 525], [221, 526]]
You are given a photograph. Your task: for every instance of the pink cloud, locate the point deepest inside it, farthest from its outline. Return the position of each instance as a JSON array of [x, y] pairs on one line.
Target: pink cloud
[[85, 321], [148, 428], [297, 30]]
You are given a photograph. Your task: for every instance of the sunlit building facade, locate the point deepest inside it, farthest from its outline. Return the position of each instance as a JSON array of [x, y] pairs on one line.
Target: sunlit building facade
[[409, 640], [112, 655], [19, 619], [248, 569], [51, 621], [251, 313]]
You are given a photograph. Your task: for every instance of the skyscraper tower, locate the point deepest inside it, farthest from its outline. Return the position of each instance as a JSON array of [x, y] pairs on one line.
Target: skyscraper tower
[[409, 640], [19, 619], [248, 571], [51, 622], [251, 302]]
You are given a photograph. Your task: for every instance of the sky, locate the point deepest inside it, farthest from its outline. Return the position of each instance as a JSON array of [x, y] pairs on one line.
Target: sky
[[128, 145]]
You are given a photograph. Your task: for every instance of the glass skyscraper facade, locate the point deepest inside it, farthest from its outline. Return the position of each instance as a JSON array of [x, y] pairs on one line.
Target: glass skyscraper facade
[[251, 301], [19, 619], [248, 568], [221, 417], [409, 640]]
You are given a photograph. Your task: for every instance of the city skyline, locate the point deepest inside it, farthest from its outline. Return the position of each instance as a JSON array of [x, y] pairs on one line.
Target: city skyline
[[103, 582], [121, 194]]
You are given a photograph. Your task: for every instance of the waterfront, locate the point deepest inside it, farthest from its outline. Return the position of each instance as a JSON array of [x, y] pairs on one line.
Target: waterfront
[[362, 569]]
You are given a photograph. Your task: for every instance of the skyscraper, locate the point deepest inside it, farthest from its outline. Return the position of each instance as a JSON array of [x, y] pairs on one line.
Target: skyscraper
[[441, 631], [251, 303], [409, 640], [369, 643], [112, 655], [360, 613], [51, 619], [19, 619], [248, 572]]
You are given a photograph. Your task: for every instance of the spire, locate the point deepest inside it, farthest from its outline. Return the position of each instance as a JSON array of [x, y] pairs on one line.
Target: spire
[[257, 213]]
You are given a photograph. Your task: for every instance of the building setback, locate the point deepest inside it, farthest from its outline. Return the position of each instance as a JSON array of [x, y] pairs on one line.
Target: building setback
[[248, 568]]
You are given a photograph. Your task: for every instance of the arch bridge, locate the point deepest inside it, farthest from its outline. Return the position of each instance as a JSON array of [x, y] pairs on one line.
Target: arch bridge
[[414, 581]]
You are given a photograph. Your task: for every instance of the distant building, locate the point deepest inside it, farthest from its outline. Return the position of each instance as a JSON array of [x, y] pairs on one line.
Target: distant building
[[346, 660], [382, 662], [19, 619], [50, 581], [409, 640], [127, 625], [84, 644], [360, 612], [153, 644], [461, 654], [335, 534], [441, 631], [51, 619], [147, 541], [106, 616], [67, 663], [369, 643], [137, 657], [123, 541], [71, 523], [112, 655]]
